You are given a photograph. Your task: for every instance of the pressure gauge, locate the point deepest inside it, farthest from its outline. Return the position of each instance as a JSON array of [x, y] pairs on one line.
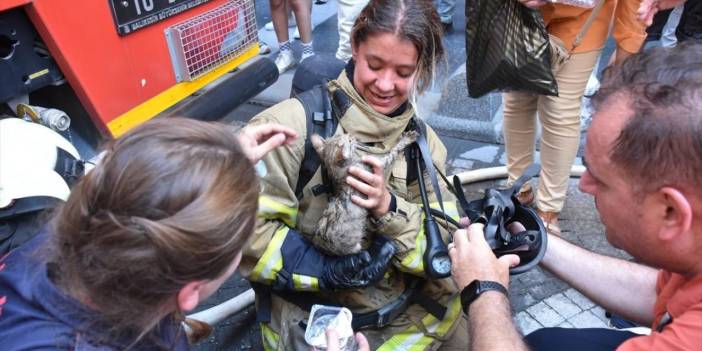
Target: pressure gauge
[[441, 264]]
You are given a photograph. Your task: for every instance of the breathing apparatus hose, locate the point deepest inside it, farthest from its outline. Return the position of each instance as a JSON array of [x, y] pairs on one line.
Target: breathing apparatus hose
[[437, 263]]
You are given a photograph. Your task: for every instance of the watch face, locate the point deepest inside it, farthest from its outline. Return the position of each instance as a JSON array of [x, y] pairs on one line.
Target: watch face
[[441, 264]]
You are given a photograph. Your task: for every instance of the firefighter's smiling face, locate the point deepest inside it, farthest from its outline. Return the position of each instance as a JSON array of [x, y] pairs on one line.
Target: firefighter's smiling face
[[385, 70]]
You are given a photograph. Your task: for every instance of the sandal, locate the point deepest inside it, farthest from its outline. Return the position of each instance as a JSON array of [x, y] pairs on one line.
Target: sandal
[[526, 195], [550, 220]]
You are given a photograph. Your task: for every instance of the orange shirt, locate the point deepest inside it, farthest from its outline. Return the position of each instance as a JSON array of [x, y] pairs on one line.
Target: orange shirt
[[682, 299], [565, 22]]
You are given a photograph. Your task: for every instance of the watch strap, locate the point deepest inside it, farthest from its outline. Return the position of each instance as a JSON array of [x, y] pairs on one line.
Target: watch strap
[[471, 292]]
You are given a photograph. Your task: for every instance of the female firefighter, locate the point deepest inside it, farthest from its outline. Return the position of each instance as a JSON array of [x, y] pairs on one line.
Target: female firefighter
[[395, 45]]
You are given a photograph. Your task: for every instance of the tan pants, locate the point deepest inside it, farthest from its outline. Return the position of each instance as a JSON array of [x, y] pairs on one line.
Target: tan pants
[[560, 130]]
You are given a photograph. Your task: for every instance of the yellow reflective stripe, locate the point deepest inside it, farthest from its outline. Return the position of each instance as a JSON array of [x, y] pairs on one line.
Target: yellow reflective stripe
[[449, 208], [414, 261], [412, 339], [271, 209], [441, 327], [271, 262], [269, 338], [305, 282]]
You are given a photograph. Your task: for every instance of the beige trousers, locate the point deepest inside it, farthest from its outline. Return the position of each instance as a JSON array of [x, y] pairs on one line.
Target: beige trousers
[[560, 130]]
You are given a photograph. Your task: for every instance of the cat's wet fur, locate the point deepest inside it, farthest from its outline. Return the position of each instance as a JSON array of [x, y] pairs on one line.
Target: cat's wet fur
[[343, 223]]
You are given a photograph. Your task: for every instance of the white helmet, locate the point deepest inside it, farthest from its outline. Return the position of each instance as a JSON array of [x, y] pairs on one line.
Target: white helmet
[[35, 161]]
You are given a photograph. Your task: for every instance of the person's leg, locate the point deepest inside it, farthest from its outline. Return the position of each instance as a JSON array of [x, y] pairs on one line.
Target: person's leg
[[668, 38], [560, 131], [291, 21], [303, 16], [279, 15], [445, 10], [279, 18], [655, 30], [589, 339], [519, 128], [347, 12]]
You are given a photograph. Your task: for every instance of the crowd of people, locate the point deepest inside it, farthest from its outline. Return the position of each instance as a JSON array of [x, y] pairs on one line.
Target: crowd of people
[[175, 206]]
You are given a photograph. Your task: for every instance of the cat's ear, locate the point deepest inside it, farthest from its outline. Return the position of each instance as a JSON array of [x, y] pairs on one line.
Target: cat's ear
[[317, 143], [347, 149]]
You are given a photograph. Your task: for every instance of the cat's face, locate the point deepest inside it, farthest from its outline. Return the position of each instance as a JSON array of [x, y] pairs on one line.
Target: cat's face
[[336, 153]]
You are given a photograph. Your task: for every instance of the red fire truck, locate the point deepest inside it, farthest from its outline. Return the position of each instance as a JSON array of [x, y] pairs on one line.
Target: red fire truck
[[89, 70]]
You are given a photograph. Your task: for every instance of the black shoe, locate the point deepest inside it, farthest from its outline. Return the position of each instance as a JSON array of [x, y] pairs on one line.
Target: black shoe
[[448, 26]]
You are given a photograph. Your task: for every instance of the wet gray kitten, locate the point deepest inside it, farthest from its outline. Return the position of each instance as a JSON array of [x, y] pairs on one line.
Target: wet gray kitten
[[343, 223]]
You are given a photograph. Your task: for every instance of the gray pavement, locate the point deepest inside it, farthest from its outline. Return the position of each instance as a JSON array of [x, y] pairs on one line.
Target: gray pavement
[[471, 131]]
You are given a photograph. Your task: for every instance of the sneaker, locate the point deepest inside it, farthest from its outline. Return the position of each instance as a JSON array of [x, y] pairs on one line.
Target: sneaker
[[291, 23], [550, 220], [263, 48], [284, 62]]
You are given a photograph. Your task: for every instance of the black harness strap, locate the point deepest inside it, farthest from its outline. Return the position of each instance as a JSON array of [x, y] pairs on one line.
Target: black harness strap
[[373, 319], [323, 115], [68, 167]]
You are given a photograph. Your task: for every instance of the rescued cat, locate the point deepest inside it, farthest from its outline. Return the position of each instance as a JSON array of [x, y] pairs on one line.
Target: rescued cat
[[343, 223]]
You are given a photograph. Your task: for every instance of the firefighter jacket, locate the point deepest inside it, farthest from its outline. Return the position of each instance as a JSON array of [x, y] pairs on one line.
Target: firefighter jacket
[[280, 212]]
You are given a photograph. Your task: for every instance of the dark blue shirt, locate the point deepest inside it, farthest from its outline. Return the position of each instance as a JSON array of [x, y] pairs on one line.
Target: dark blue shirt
[[35, 314]]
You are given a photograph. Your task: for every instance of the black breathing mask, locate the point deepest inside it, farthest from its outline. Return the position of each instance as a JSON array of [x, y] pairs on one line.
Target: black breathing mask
[[510, 227]]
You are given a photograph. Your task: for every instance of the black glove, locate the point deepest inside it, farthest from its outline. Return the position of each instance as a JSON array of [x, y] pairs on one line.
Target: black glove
[[361, 269], [301, 258]]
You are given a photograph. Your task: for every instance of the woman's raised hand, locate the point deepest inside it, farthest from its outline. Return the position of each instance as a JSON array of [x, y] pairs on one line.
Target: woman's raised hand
[[372, 185], [257, 140]]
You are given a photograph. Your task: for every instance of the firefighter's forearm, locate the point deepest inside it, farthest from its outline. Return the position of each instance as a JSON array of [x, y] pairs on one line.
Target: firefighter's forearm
[[491, 326]]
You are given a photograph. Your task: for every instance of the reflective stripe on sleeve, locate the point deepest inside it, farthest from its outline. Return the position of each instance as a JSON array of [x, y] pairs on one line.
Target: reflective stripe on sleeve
[[449, 208], [414, 261], [271, 209], [304, 282], [412, 339], [269, 338], [271, 262]]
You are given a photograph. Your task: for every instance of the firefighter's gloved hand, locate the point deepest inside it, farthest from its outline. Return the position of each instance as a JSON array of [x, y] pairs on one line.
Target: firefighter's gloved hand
[[361, 269]]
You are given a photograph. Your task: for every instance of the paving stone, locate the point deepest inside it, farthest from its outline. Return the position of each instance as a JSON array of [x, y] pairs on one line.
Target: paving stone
[[521, 301], [485, 154], [587, 319], [462, 163], [579, 299], [545, 315], [525, 323], [563, 305], [544, 289]]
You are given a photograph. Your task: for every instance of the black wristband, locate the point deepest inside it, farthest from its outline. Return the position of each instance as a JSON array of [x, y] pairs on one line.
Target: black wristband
[[471, 292]]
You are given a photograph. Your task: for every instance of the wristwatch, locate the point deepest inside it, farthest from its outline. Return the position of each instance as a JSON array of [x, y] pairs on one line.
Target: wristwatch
[[477, 287]]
